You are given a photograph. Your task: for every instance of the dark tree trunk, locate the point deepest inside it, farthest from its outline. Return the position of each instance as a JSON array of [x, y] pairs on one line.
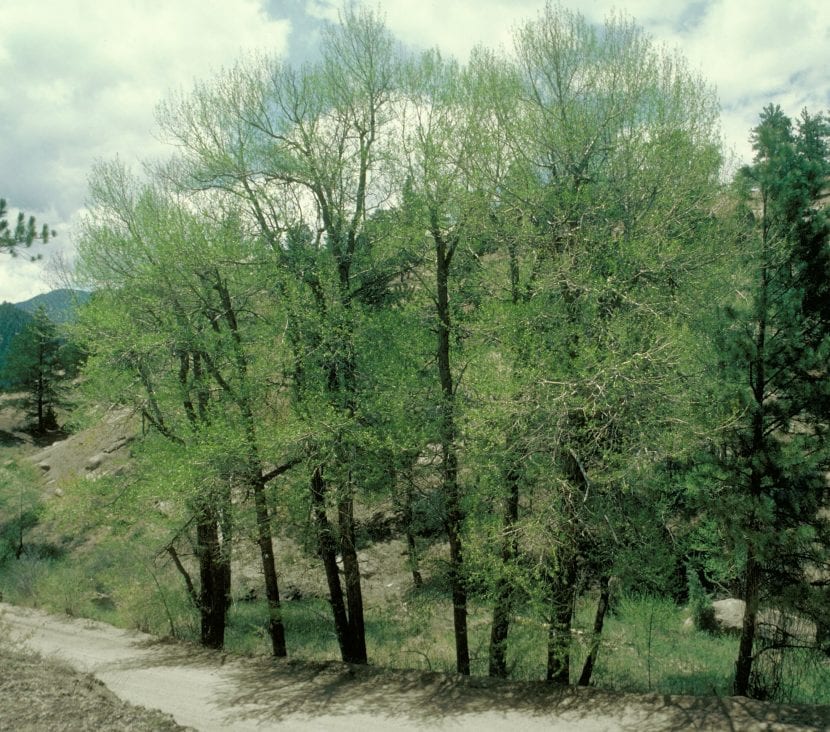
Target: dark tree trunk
[[743, 666], [449, 464], [327, 546], [276, 627], [411, 546], [459, 592], [503, 608], [757, 450], [342, 387], [351, 572], [214, 568], [563, 589], [188, 581], [596, 635]]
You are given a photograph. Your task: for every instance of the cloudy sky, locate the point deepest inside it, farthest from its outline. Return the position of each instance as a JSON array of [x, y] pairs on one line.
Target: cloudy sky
[[80, 79]]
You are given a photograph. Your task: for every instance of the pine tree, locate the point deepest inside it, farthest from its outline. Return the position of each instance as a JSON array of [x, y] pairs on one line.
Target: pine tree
[[24, 233], [35, 365], [774, 350]]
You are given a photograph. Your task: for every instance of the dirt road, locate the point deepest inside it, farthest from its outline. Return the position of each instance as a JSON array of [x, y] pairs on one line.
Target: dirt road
[[210, 691]]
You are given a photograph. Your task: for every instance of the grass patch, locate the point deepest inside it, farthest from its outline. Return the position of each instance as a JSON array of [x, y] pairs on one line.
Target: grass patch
[[646, 648]]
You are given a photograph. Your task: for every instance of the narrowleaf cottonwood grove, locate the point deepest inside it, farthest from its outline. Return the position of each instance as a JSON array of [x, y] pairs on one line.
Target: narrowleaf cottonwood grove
[[522, 278]]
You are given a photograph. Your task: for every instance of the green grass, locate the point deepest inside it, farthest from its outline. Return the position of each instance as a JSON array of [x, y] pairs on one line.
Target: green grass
[[644, 647]]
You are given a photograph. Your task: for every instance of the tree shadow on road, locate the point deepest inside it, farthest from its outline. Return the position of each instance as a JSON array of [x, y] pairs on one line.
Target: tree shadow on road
[[273, 691]]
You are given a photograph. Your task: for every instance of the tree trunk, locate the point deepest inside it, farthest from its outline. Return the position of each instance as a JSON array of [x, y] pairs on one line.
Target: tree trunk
[[459, 593], [214, 568], [276, 627], [563, 589], [743, 666], [328, 553], [351, 572], [757, 451], [411, 546], [449, 464], [599, 621], [265, 540], [503, 608]]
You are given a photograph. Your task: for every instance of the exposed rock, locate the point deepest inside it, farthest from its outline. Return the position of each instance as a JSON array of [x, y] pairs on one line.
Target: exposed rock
[[118, 444], [784, 626], [729, 615], [164, 507], [44, 466], [95, 461]]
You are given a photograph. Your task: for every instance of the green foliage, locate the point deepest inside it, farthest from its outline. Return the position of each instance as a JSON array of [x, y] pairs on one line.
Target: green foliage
[[762, 486], [509, 299], [703, 613], [20, 510]]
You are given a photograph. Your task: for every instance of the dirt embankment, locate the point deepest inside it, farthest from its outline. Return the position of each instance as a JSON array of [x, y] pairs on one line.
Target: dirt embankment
[[38, 694]]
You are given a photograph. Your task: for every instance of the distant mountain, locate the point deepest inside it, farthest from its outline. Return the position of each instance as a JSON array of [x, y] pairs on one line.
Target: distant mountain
[[60, 304]]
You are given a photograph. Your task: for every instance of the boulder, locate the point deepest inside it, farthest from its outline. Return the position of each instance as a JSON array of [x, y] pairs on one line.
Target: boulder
[[729, 615], [786, 627], [95, 461]]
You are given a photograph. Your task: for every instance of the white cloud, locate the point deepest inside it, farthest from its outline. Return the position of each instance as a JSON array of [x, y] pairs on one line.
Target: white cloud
[[754, 54], [81, 80], [20, 279]]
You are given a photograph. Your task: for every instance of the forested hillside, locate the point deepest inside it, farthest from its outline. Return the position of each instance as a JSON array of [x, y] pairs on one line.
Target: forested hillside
[[12, 321], [513, 307]]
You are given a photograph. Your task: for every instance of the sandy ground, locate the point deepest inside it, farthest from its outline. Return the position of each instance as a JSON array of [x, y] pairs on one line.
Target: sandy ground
[[212, 691]]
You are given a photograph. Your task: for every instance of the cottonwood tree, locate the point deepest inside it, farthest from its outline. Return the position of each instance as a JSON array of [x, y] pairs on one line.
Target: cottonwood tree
[[521, 233], [304, 151], [447, 200], [175, 312], [615, 159]]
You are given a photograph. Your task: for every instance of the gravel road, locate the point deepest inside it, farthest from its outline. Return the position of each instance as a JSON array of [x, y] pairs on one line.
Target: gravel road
[[212, 691]]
